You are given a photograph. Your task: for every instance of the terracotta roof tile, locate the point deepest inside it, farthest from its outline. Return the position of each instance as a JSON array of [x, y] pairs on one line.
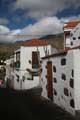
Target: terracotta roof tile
[[36, 42], [71, 24]]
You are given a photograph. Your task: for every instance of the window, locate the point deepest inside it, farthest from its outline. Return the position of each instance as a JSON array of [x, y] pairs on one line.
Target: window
[[79, 37], [35, 59], [72, 73], [55, 80], [17, 78], [17, 65], [45, 76], [66, 92], [41, 61], [63, 61], [55, 92], [23, 78], [71, 43], [74, 38], [29, 61], [17, 56], [54, 69], [63, 76], [71, 83], [72, 103]]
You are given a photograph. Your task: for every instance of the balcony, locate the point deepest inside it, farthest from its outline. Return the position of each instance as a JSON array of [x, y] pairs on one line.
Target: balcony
[[35, 72], [15, 65]]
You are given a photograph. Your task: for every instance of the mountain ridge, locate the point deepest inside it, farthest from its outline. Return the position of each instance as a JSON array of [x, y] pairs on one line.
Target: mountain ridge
[[9, 48]]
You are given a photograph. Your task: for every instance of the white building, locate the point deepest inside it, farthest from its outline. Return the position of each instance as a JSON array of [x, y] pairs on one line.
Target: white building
[[71, 28], [61, 72], [60, 79], [26, 64], [9, 71]]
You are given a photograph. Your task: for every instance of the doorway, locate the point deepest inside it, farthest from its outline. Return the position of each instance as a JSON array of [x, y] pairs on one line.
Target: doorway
[[49, 80]]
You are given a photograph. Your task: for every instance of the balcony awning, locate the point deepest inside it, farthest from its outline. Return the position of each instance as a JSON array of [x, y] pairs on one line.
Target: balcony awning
[[31, 71]]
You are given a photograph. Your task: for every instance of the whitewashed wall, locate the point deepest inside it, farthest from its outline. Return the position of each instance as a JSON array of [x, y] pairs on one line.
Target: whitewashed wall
[[75, 33], [43, 81], [25, 56], [77, 78], [74, 39], [62, 99], [8, 69]]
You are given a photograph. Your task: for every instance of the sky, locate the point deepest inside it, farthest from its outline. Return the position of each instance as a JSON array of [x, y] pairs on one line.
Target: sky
[[27, 19]]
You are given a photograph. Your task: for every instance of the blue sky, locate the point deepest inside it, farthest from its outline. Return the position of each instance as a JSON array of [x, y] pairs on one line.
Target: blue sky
[[36, 16]]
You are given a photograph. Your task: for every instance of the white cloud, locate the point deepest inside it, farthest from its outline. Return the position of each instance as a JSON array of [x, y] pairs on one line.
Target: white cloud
[[8, 36], [41, 8], [3, 21], [3, 29], [13, 35], [45, 26], [48, 25]]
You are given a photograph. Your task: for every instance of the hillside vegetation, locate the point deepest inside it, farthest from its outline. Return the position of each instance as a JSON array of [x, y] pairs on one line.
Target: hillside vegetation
[[7, 49]]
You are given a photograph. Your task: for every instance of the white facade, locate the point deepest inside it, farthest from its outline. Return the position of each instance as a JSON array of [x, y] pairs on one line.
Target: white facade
[[20, 77], [67, 36], [72, 36], [65, 80], [75, 36]]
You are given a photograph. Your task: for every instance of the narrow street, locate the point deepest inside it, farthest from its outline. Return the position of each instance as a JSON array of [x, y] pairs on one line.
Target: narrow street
[[27, 105]]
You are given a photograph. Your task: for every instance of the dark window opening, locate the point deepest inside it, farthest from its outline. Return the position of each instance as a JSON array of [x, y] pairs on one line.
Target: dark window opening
[[71, 83], [55, 92], [72, 103], [63, 77], [17, 56], [35, 60], [17, 78], [54, 69], [74, 38], [79, 37], [40, 61], [55, 80], [72, 73], [71, 43], [63, 61], [66, 92], [29, 61], [45, 76]]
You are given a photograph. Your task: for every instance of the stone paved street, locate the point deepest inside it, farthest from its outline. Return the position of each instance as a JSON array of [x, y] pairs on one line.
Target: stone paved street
[[28, 106]]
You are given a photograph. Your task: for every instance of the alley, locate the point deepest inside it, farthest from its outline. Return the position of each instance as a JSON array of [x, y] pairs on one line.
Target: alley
[[27, 105]]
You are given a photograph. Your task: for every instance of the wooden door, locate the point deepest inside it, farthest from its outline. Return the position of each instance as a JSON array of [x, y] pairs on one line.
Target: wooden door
[[49, 80]]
